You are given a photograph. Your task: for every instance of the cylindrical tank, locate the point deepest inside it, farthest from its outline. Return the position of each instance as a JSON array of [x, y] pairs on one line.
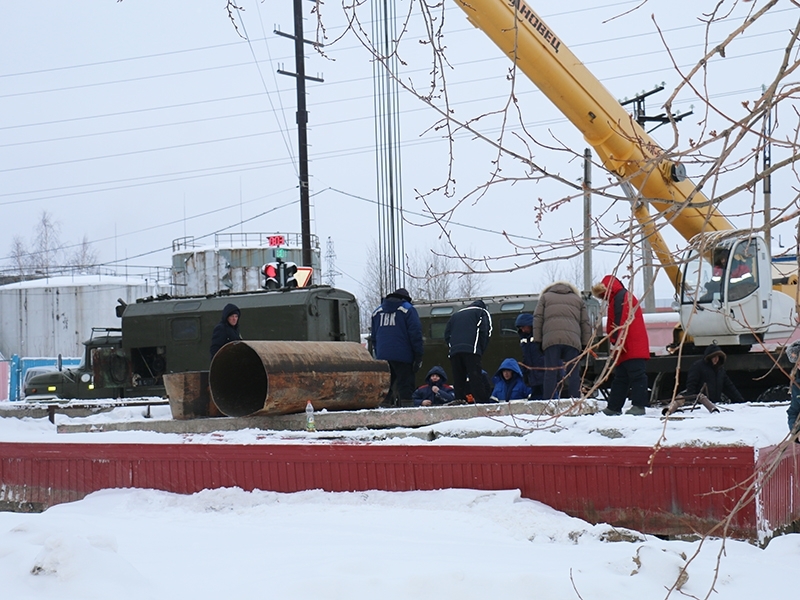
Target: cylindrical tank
[[272, 378], [47, 317]]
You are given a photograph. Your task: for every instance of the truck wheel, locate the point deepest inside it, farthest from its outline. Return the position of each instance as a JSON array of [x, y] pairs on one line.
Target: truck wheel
[[661, 389]]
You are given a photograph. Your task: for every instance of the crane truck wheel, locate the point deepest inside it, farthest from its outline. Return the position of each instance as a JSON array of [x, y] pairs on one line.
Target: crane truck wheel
[[777, 393]]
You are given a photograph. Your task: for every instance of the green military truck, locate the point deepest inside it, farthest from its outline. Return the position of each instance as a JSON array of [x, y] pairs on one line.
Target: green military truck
[[504, 342], [173, 335]]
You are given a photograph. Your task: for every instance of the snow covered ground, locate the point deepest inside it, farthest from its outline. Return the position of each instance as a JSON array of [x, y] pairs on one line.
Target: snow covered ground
[[228, 543]]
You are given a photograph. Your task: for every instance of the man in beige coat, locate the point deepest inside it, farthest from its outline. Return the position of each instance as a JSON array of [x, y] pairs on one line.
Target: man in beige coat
[[561, 325]]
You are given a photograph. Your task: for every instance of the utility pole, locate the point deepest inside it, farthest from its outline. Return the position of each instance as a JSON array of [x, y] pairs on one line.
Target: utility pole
[[767, 134], [648, 299], [587, 219], [641, 117], [302, 121]]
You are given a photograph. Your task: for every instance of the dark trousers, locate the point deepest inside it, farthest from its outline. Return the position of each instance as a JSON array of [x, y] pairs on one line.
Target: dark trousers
[[401, 383], [630, 381], [556, 357], [468, 377]]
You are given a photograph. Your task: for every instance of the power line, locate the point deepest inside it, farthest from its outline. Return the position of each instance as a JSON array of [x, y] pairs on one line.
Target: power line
[[279, 115], [248, 166], [176, 221], [275, 163], [244, 136]]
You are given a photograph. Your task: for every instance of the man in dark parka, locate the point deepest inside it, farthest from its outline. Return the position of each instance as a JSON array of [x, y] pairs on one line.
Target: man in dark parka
[[227, 330]]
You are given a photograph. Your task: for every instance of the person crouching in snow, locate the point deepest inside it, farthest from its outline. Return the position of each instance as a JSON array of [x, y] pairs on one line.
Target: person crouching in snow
[[509, 383], [708, 376], [435, 391]]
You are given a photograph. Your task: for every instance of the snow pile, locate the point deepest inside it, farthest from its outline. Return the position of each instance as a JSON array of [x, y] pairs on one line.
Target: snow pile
[[465, 544]]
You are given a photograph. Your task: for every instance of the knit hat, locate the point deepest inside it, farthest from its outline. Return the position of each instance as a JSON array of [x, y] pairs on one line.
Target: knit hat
[[401, 293], [524, 320]]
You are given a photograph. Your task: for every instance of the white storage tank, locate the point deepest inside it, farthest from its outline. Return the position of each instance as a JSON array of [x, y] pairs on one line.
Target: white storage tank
[[47, 317]]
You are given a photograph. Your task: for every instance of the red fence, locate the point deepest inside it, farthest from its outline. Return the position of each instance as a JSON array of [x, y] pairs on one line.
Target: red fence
[[779, 489], [687, 490]]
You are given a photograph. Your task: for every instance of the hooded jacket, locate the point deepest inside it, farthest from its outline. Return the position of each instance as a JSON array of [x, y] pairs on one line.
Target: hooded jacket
[[561, 317], [425, 392], [710, 379], [468, 331], [627, 333], [397, 331], [224, 332], [514, 388]]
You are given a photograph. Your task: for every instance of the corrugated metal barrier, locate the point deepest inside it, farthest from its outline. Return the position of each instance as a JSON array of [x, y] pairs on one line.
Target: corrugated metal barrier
[[687, 490]]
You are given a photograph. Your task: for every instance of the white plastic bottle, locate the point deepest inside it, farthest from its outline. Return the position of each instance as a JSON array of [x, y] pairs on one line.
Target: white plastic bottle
[[310, 426]]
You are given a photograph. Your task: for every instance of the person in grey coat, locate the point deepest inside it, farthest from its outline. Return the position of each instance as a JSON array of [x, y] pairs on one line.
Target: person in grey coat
[[561, 325]]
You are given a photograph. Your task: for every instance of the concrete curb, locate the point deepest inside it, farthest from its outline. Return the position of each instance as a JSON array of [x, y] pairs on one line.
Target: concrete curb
[[380, 418]]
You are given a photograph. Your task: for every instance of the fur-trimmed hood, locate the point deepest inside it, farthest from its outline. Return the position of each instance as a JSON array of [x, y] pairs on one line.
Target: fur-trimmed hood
[[712, 351], [562, 287]]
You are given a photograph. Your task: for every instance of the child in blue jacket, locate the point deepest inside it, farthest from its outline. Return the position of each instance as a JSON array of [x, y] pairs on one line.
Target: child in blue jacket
[[509, 383], [435, 391]]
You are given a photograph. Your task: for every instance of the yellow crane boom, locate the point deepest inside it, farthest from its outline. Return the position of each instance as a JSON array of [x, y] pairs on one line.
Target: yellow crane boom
[[620, 142]]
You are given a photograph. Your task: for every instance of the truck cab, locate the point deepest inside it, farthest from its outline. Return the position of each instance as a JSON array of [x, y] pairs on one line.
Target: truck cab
[[727, 294], [94, 377]]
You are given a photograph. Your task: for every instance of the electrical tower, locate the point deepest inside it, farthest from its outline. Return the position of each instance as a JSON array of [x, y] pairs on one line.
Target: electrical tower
[[642, 118], [330, 264]]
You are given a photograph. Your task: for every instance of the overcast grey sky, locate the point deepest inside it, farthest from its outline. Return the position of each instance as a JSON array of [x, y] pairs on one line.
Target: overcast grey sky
[[140, 122]]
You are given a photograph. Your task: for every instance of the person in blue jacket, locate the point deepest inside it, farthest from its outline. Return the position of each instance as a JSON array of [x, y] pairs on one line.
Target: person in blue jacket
[[793, 352], [532, 356], [435, 391], [397, 339], [508, 382]]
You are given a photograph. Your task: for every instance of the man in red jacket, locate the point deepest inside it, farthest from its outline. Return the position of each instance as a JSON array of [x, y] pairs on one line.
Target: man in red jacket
[[630, 347]]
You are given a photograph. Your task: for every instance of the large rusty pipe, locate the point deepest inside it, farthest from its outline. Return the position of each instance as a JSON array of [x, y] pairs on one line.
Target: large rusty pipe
[[275, 378]]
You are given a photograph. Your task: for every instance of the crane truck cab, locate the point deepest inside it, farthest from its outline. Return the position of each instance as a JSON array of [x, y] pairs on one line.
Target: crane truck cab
[[726, 295]]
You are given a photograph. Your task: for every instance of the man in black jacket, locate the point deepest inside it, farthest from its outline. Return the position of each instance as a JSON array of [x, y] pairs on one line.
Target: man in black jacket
[[467, 335], [227, 330], [708, 376]]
